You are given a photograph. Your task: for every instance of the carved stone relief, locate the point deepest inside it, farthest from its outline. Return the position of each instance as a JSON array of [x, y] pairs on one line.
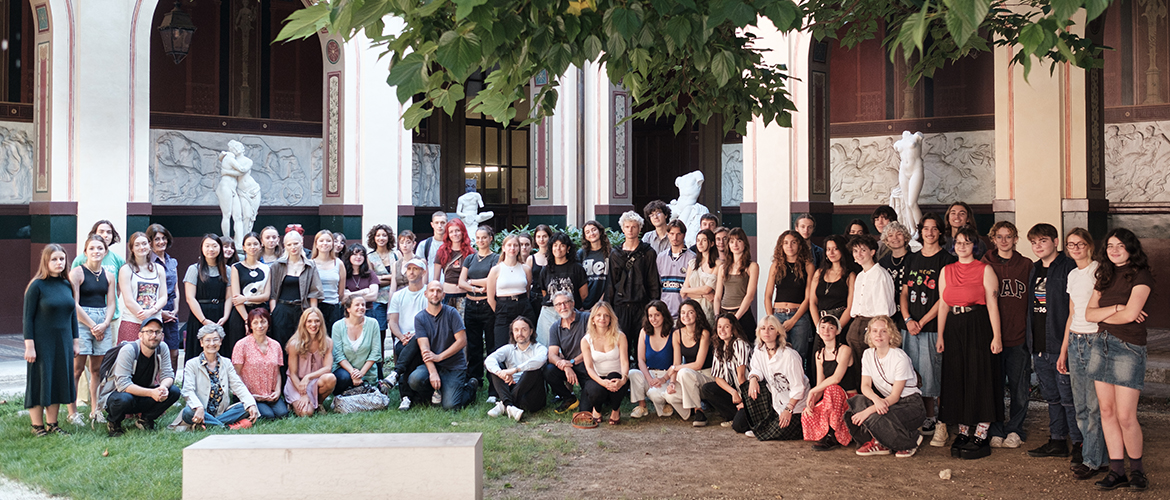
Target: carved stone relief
[[16, 163], [732, 175], [424, 174], [960, 166], [185, 169], [1135, 158]]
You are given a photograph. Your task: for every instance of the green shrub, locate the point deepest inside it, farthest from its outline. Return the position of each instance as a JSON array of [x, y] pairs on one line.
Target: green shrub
[[615, 237]]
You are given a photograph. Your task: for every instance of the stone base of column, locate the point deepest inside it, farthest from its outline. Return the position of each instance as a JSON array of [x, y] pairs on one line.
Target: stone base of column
[[1004, 210], [608, 215], [1091, 214], [821, 212], [137, 216], [345, 219], [553, 215]]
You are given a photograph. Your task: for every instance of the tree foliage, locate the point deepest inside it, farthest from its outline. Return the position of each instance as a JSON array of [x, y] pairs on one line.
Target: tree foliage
[[684, 60]]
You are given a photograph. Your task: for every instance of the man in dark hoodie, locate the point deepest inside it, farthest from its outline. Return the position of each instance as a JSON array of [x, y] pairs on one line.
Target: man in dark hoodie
[[1013, 271], [633, 278], [1048, 293]]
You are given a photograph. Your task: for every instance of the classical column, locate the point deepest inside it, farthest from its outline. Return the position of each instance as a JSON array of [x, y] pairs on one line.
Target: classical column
[[608, 155], [341, 208], [553, 152]]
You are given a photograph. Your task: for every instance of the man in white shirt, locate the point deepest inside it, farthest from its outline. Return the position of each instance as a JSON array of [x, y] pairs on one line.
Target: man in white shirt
[[404, 306], [873, 293], [429, 248]]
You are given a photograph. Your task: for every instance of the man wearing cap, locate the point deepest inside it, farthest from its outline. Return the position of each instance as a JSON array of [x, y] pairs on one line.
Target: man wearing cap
[[140, 381], [404, 306], [441, 338]]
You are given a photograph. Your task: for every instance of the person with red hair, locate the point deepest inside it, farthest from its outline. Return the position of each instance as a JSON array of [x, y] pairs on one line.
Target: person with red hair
[[448, 265]]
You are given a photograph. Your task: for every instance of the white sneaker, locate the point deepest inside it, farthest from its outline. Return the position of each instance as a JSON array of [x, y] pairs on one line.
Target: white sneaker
[[496, 410], [667, 411], [996, 442], [392, 379], [639, 412], [1012, 440], [515, 413], [940, 435], [724, 424], [491, 400], [750, 434], [405, 404], [436, 398]]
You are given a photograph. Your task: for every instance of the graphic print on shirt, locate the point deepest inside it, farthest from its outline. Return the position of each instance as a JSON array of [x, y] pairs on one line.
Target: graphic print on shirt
[[146, 294], [1040, 305], [780, 382], [1012, 288], [921, 278], [595, 268], [560, 284]]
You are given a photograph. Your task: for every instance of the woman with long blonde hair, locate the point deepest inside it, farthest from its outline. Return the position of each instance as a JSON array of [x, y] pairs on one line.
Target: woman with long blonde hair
[[310, 357], [607, 361]]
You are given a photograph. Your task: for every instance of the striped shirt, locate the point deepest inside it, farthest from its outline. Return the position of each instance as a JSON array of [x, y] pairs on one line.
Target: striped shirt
[[741, 353]]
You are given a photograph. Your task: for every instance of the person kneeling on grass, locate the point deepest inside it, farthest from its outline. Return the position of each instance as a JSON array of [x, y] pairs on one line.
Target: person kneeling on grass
[[777, 388], [889, 408], [140, 381], [441, 339], [207, 381], [516, 371]]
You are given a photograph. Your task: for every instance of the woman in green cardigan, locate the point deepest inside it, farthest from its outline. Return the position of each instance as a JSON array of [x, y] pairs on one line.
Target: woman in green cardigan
[[355, 346]]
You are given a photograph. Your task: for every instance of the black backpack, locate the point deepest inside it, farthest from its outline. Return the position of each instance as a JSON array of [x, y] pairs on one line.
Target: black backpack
[[107, 367]]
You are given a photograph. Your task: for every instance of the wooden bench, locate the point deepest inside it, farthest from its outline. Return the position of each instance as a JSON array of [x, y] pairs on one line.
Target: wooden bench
[[288, 466]]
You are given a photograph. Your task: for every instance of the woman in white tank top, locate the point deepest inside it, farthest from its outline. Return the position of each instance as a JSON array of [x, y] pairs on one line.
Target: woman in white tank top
[[507, 292], [608, 363]]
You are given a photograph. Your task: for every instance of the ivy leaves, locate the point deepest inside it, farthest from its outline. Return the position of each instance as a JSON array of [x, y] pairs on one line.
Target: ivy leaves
[[681, 59]]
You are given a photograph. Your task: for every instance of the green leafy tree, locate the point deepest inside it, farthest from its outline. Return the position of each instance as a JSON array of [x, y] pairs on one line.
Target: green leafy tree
[[684, 60]]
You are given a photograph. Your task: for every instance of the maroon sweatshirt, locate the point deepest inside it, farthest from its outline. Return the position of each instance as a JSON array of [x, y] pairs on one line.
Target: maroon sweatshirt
[[1014, 305]]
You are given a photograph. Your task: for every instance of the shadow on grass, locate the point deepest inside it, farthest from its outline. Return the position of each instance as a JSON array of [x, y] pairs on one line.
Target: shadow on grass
[[148, 465]]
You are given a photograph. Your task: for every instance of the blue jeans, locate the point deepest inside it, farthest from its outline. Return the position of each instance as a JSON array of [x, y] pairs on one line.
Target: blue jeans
[[800, 337], [926, 359], [1015, 367], [1057, 391], [233, 414], [1085, 399], [452, 385], [271, 410]]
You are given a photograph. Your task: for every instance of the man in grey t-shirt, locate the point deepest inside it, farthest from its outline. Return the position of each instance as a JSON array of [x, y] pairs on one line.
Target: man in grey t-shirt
[[566, 365]]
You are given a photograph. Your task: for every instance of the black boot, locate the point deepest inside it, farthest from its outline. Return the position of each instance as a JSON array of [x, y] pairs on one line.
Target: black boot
[[976, 448], [1053, 448], [960, 440]]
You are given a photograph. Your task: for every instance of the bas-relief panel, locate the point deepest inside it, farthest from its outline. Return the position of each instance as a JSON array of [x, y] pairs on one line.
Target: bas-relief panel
[[959, 166], [1136, 159], [424, 174], [732, 175], [16, 163], [185, 168]]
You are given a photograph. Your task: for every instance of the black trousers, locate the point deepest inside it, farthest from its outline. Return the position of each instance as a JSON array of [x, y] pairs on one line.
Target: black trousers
[[599, 397], [630, 316], [479, 322], [557, 382], [507, 310], [719, 399], [344, 381], [405, 361], [527, 395], [120, 404]]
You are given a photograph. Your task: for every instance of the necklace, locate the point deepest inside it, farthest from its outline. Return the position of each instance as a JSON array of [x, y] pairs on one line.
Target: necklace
[[97, 275], [899, 261]]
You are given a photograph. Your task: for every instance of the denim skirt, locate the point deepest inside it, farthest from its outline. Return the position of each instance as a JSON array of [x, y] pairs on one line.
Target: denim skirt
[[1115, 361]]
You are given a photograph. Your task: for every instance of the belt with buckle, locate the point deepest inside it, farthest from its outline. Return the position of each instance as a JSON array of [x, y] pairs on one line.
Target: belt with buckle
[[961, 309], [784, 311], [289, 302], [209, 301]]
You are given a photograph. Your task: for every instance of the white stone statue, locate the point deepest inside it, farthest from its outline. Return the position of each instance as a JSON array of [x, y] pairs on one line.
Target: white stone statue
[[468, 209], [687, 208], [238, 193], [911, 175]]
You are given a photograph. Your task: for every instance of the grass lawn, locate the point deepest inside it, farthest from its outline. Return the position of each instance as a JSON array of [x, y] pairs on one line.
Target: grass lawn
[[148, 465]]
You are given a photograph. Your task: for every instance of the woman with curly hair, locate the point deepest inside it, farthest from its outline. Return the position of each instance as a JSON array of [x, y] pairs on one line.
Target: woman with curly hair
[[786, 290]]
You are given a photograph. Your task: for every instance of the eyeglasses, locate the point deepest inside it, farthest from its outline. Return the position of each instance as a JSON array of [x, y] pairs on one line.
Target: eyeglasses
[[151, 332], [1078, 245], [562, 304]]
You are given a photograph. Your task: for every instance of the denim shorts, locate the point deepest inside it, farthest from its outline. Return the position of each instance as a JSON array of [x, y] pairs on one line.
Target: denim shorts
[[1115, 361], [91, 346]]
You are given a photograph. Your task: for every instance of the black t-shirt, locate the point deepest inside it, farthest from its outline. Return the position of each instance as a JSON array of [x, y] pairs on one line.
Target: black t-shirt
[[1039, 309], [922, 280], [597, 271], [144, 372], [896, 266], [478, 267], [568, 277]]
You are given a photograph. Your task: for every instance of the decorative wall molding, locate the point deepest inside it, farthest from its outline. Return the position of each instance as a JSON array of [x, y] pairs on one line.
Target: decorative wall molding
[[1136, 155], [17, 162], [959, 166], [184, 167]]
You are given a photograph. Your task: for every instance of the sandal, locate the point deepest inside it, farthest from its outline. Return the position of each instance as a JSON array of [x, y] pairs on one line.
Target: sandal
[[615, 421], [39, 431], [53, 428], [585, 420]]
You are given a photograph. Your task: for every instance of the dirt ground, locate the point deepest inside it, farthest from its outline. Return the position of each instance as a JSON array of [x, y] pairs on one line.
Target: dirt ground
[[668, 458]]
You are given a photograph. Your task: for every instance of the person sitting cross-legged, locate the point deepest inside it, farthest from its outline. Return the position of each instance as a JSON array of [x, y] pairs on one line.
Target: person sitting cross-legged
[[516, 371], [140, 381], [208, 381]]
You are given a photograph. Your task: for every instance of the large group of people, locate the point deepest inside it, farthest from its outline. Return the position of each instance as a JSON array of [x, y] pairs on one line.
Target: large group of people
[[862, 341]]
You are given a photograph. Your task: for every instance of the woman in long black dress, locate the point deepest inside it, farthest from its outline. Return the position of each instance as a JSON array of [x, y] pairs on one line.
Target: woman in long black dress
[[249, 290], [206, 286], [50, 342]]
